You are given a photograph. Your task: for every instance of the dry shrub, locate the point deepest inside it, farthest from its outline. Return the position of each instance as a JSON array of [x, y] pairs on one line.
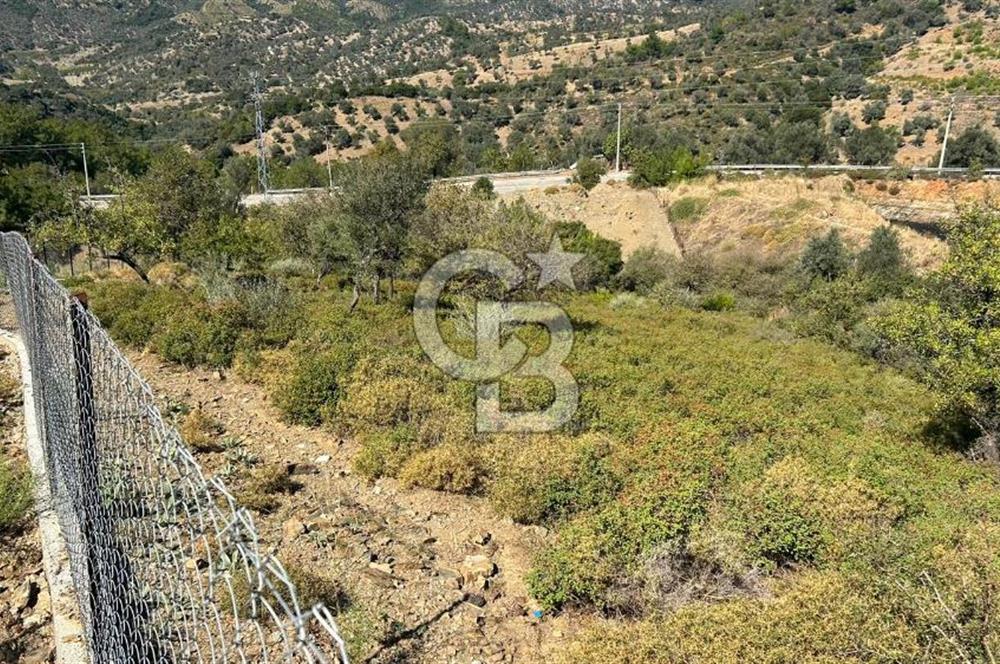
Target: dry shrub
[[171, 274], [454, 467], [822, 618], [201, 431], [264, 486], [310, 589], [264, 367], [677, 573], [10, 391], [15, 495]]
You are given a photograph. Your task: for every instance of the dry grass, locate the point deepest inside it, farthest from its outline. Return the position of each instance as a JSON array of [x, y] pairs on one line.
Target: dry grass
[[780, 215], [264, 486], [201, 431]]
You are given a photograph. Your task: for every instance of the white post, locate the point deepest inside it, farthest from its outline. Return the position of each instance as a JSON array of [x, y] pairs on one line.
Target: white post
[[329, 158], [618, 150], [86, 171], [947, 134]]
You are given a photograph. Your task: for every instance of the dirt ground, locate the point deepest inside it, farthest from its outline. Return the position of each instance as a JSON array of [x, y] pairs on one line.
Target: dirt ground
[[430, 577], [615, 211], [25, 614], [765, 215]]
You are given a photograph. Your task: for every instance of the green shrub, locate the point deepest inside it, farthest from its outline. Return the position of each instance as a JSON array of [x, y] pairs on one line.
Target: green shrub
[[660, 167], [309, 394], [457, 468], [826, 257], [589, 173], [645, 268], [814, 617], [603, 258], [720, 301], [484, 189], [687, 210], [15, 495], [385, 452], [551, 478]]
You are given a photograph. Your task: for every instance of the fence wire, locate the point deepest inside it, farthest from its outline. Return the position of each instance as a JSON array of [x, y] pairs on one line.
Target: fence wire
[[166, 566]]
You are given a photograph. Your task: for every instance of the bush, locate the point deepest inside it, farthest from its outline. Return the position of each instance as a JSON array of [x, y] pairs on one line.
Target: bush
[[310, 589], [264, 486], [200, 335], [645, 268], [826, 257], [659, 168], [554, 477], [687, 210], [15, 495], [603, 258], [974, 146], [720, 301], [483, 188], [873, 146], [589, 173], [883, 260], [811, 617], [310, 392], [201, 431], [291, 267], [874, 112], [453, 467]]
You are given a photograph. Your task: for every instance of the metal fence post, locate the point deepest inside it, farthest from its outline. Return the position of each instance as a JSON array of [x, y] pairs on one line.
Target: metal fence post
[[91, 503], [116, 629], [158, 553]]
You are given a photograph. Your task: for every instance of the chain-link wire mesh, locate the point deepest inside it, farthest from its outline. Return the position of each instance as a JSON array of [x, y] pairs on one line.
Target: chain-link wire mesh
[[166, 566]]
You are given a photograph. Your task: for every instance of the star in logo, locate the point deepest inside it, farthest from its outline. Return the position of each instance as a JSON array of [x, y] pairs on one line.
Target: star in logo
[[557, 265]]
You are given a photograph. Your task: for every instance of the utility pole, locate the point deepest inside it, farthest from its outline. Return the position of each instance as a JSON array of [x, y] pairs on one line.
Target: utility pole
[[947, 134], [618, 149], [258, 103], [329, 157], [86, 171]]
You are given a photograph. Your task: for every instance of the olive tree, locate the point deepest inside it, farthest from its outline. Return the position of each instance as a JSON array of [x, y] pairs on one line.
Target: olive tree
[[952, 326]]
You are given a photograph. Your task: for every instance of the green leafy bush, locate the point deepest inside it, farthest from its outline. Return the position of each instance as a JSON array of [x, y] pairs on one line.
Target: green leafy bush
[[603, 258], [309, 394], [646, 267], [720, 301], [589, 173], [687, 210], [826, 257]]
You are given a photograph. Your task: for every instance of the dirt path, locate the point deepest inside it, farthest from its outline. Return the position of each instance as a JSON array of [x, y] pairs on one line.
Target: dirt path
[[431, 577]]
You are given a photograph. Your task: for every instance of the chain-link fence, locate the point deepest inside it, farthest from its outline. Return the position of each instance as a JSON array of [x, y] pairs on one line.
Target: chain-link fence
[[166, 566]]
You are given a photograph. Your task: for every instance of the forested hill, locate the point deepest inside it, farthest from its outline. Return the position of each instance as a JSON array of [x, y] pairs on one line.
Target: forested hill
[[153, 51]]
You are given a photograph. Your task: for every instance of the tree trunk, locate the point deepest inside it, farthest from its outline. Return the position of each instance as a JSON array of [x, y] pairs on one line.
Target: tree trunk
[[377, 289], [392, 287], [124, 258], [356, 297], [322, 275]]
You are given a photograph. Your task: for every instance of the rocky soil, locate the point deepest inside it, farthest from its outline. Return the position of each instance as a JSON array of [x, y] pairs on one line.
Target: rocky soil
[[428, 577], [25, 610]]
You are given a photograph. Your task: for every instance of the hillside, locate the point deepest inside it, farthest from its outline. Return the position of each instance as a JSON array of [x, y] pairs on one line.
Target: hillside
[[773, 217], [526, 84]]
